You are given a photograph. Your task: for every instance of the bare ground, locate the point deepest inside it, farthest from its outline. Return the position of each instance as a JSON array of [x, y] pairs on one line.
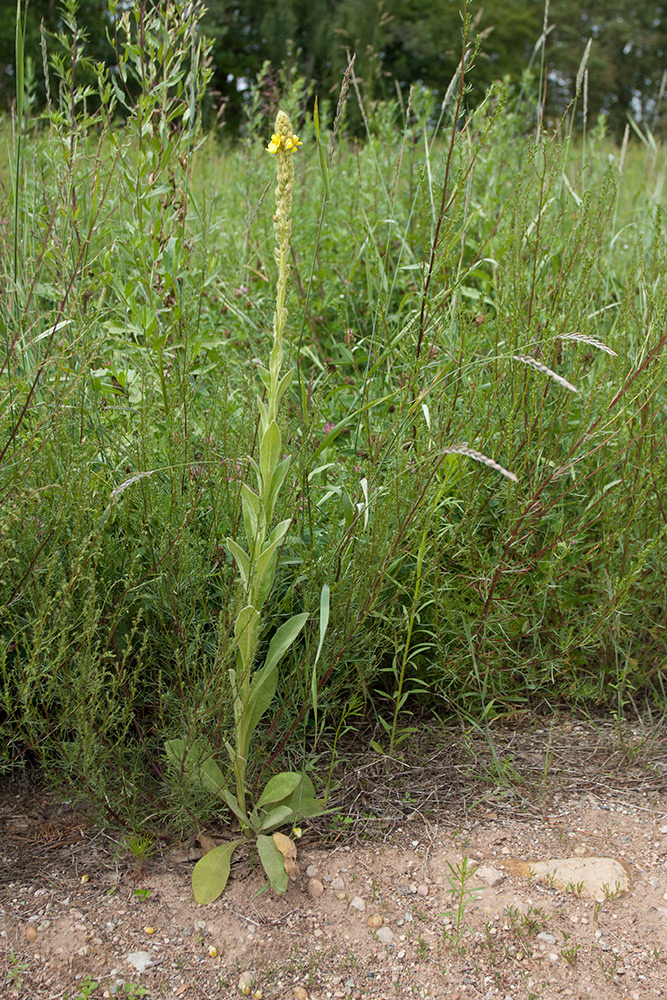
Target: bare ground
[[383, 910]]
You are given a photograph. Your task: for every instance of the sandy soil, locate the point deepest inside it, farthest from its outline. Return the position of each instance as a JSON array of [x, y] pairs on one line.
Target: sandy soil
[[411, 888]]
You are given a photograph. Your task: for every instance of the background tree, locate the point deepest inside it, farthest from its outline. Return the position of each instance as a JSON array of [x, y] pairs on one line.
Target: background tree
[[399, 40]]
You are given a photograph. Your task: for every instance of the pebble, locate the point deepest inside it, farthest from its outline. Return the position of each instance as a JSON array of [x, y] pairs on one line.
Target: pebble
[[315, 888], [374, 921], [337, 883], [31, 933], [385, 935], [140, 960], [357, 904], [312, 871], [546, 938], [246, 979], [422, 890], [300, 993]]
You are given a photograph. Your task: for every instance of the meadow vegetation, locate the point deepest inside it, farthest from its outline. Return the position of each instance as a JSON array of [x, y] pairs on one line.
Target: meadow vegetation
[[477, 319]]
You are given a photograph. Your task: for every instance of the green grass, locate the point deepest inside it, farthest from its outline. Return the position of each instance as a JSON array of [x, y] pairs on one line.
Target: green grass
[[144, 293]]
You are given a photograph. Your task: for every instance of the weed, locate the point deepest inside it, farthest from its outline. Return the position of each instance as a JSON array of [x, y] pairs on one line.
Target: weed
[[461, 894], [570, 953]]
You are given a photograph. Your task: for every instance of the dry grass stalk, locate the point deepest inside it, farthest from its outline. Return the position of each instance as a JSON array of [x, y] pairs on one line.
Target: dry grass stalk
[[463, 449], [584, 339], [538, 366]]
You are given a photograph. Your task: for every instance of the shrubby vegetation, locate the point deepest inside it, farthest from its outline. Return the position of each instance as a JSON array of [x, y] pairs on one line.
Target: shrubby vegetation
[[474, 300]]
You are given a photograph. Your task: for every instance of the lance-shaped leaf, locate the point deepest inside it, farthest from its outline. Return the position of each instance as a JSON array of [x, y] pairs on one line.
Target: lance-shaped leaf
[[284, 384], [277, 481], [246, 630], [272, 862], [265, 579], [241, 558], [210, 874], [261, 694], [233, 804], [253, 520], [270, 449], [266, 562], [265, 680]]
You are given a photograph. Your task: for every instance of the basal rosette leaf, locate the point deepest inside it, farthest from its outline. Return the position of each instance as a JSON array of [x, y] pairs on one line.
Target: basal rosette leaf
[[210, 874]]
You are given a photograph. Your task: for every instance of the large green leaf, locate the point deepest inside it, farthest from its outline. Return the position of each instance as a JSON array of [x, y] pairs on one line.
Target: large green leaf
[[265, 680], [270, 449], [246, 630], [176, 752], [277, 481], [277, 817], [262, 690], [210, 874], [252, 520], [211, 777], [283, 638], [279, 787], [272, 863], [242, 559], [308, 808]]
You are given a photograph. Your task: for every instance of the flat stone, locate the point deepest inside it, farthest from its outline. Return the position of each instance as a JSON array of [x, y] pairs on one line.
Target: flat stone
[[140, 960], [357, 904], [592, 877], [490, 875], [385, 935], [337, 883]]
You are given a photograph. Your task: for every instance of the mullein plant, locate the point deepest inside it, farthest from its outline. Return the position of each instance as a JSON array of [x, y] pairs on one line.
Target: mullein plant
[[289, 796]]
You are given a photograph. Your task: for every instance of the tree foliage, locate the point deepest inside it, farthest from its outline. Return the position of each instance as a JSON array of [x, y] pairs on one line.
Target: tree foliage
[[399, 41]]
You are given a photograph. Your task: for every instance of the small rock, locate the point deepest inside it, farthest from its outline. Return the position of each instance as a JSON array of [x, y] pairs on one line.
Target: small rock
[[663, 829], [312, 871], [300, 993], [31, 933], [374, 921], [315, 888], [140, 960], [246, 980], [422, 890], [546, 938], [357, 904], [337, 883], [491, 876], [385, 935]]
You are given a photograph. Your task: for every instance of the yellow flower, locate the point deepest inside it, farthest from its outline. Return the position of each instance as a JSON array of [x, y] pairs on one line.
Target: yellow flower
[[213, 951], [288, 142], [297, 832], [274, 145]]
